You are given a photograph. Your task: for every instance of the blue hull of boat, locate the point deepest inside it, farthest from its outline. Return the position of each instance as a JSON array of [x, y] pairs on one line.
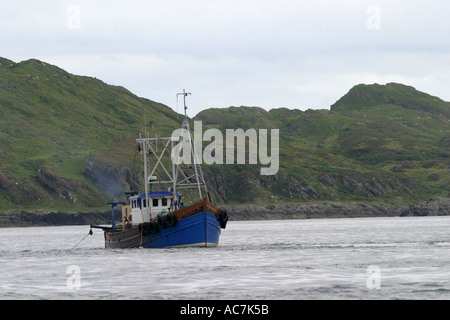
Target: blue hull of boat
[[200, 230]]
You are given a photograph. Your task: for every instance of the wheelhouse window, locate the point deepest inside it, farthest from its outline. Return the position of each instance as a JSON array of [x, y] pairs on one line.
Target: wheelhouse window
[[155, 202], [164, 202]]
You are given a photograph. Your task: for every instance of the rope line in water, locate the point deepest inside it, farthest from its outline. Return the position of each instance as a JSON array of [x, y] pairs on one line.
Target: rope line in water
[[89, 234]]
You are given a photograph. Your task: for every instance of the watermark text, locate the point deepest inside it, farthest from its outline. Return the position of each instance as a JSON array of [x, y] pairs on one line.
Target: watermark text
[[232, 149]]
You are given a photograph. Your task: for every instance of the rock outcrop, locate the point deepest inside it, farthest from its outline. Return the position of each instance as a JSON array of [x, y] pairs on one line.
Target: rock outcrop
[[16, 191], [115, 180], [280, 211], [18, 218], [432, 207], [65, 188], [312, 211]]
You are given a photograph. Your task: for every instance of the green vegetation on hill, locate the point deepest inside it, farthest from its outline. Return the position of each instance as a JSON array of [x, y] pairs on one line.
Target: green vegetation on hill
[[50, 118], [378, 142], [67, 142]]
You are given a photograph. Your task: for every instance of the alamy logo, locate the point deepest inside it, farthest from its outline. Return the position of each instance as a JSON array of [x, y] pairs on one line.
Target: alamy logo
[[236, 141], [374, 20], [374, 280], [74, 18], [74, 280]]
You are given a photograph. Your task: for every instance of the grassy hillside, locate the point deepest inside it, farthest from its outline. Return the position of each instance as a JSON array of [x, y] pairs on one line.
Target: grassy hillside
[[377, 143], [54, 119], [68, 142]]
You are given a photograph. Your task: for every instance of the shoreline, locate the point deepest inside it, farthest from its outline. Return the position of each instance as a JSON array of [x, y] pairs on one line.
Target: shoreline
[[280, 211]]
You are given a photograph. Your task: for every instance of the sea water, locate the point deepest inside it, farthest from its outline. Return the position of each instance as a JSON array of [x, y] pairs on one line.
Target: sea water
[[360, 258]]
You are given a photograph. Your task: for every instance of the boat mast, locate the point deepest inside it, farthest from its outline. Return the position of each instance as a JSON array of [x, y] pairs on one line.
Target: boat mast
[[144, 153], [148, 146], [184, 94], [175, 167], [196, 165], [144, 150]]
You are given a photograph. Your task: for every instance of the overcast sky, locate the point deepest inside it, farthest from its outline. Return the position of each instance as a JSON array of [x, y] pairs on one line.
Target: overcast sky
[[268, 53]]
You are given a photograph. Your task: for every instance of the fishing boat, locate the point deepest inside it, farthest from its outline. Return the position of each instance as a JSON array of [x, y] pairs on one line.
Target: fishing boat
[[160, 219]]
